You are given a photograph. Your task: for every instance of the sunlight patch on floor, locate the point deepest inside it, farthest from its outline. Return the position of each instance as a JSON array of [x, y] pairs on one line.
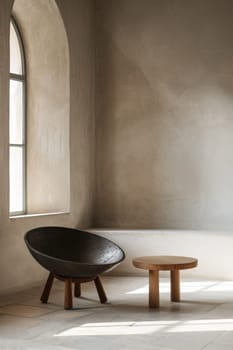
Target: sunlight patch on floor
[[147, 327], [204, 326], [116, 328]]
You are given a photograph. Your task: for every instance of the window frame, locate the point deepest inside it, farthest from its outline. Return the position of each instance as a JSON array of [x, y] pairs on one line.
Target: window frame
[[20, 78]]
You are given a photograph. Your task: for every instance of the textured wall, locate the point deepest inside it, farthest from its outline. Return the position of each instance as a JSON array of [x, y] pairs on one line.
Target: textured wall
[[17, 267], [203, 245], [48, 105], [164, 113]]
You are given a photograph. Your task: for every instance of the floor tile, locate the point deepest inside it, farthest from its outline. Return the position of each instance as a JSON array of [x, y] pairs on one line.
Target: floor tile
[[16, 327], [202, 320], [23, 310]]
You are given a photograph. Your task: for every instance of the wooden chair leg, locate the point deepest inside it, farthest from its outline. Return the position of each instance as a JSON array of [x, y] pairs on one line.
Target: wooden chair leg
[[77, 289], [100, 290], [47, 288], [68, 302]]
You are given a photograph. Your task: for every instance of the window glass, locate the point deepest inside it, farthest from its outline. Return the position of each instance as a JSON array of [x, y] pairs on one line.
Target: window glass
[[16, 112], [15, 52], [16, 179], [16, 123]]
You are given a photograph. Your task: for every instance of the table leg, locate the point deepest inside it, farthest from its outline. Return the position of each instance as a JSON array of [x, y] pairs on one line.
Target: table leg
[[153, 288], [175, 285]]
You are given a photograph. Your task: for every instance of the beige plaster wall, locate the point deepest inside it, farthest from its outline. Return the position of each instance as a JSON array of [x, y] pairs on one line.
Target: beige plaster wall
[[17, 268], [48, 105], [164, 114]]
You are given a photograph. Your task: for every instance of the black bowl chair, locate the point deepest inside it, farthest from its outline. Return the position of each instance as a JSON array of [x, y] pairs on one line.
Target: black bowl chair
[[74, 256]]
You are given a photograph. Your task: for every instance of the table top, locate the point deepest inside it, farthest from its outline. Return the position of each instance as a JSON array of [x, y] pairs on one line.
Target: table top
[[164, 262]]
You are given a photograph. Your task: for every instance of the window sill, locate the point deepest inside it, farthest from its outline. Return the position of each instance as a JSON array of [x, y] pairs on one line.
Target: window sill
[[22, 216]]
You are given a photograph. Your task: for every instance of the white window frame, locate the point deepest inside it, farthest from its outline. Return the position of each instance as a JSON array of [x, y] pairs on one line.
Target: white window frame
[[21, 78]]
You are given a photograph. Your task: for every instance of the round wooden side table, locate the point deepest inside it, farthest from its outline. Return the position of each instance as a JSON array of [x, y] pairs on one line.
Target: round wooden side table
[[164, 263]]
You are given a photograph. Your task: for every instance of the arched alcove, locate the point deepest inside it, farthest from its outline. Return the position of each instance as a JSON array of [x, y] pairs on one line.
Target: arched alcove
[[47, 104]]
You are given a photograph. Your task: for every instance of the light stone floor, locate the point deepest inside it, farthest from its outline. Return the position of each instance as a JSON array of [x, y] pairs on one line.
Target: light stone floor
[[203, 320]]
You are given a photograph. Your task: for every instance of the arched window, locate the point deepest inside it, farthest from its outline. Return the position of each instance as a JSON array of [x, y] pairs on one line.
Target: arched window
[[39, 138], [17, 134]]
